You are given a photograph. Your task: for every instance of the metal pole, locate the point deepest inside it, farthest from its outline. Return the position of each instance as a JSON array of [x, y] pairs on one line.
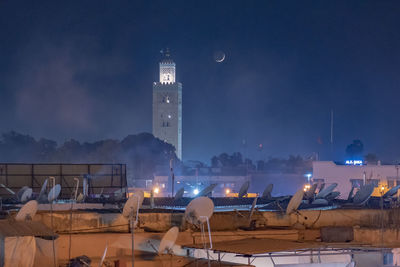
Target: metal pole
[[132, 236]]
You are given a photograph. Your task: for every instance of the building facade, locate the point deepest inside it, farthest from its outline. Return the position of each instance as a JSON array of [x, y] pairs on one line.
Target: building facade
[[356, 175], [167, 105]]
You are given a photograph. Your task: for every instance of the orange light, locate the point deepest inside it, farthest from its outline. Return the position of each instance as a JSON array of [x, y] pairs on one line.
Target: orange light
[[306, 187], [156, 190], [227, 191]]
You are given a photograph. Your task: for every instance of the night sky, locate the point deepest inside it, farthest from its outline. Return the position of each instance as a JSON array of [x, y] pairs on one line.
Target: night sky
[[84, 70]]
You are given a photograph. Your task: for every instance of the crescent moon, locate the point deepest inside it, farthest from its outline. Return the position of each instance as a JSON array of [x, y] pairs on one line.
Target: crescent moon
[[222, 59]]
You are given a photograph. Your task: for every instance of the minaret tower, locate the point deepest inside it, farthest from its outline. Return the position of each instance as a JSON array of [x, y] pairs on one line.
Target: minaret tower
[[167, 105]]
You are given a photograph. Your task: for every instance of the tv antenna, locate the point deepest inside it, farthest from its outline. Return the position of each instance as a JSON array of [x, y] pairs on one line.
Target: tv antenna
[[168, 241], [42, 192], [267, 192], [26, 195], [131, 207], [179, 193], [243, 190], [198, 212]]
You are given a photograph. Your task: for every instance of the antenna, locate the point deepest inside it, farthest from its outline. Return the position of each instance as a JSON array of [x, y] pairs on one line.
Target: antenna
[[26, 195], [180, 193], [326, 191], [104, 256], [362, 195], [243, 189], [27, 212], [42, 190], [21, 191], [54, 193], [295, 202], [267, 192], [208, 190], [391, 192], [168, 240], [197, 213], [132, 206]]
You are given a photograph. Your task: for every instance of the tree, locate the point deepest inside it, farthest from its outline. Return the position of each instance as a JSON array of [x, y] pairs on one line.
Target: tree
[[371, 158], [355, 149]]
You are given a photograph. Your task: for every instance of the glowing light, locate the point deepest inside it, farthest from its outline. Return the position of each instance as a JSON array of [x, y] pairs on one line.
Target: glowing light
[[156, 190], [306, 187], [354, 162], [178, 182], [196, 191], [169, 116], [382, 188], [227, 191]]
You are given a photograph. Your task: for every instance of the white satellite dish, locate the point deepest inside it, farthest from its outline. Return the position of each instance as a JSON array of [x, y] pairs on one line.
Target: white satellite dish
[[26, 195], [21, 191], [253, 207], [168, 240], [104, 256], [295, 202], [133, 204], [326, 191], [243, 189], [180, 193], [362, 195], [206, 191], [54, 193], [28, 211], [267, 192], [391, 192], [42, 190], [199, 210]]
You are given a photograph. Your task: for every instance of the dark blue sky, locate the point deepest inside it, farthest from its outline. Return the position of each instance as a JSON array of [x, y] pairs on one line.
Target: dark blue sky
[[84, 70]]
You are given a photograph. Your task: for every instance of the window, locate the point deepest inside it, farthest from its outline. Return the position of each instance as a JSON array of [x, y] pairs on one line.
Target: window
[[373, 181], [390, 183]]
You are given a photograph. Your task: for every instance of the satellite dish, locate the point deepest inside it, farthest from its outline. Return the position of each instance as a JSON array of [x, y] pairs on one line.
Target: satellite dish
[[243, 189], [320, 201], [391, 192], [310, 193], [350, 194], [168, 241], [54, 193], [326, 191], [363, 194], [267, 192], [199, 210], [180, 193], [133, 204], [253, 207], [321, 187], [332, 195], [208, 190], [80, 197], [295, 202], [21, 191], [42, 190], [26, 195], [104, 256], [27, 212]]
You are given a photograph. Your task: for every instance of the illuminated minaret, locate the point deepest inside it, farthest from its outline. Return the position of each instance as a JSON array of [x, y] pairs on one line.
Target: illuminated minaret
[[167, 105]]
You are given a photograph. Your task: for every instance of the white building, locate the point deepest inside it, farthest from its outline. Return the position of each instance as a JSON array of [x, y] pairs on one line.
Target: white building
[[167, 105], [348, 175]]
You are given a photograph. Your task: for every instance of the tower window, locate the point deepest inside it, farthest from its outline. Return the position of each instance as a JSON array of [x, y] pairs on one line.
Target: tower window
[[169, 116], [167, 99]]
